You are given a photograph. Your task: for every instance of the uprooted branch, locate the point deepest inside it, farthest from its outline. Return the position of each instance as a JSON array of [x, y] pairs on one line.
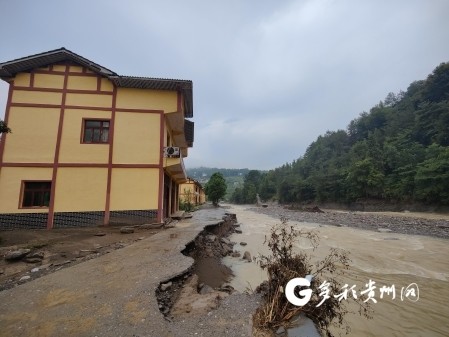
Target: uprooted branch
[[286, 264]]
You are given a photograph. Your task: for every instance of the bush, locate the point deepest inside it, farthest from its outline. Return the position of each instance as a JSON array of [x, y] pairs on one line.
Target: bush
[[284, 265]]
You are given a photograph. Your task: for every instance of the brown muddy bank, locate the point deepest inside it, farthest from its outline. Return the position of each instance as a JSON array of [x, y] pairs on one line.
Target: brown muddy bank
[[208, 275]]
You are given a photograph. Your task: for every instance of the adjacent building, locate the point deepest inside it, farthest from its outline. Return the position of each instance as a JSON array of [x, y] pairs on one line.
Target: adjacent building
[[192, 192], [89, 146]]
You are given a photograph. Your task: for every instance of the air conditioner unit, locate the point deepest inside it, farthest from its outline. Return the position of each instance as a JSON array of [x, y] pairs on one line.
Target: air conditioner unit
[[171, 152]]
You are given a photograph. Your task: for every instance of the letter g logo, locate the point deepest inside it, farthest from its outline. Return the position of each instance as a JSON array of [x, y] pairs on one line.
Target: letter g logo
[[290, 291]]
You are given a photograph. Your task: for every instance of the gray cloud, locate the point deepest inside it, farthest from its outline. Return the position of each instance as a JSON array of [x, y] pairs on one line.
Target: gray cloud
[[269, 77]]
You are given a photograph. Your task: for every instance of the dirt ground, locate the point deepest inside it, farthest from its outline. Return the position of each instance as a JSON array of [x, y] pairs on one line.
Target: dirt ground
[[61, 248]]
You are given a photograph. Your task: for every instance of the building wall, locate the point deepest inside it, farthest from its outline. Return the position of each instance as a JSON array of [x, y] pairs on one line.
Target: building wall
[[34, 135], [197, 196], [80, 189], [72, 150], [117, 180], [11, 184], [143, 99], [135, 136], [134, 189], [184, 191]]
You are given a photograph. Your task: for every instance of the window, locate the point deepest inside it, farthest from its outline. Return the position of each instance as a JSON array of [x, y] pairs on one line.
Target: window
[[36, 193], [96, 131]]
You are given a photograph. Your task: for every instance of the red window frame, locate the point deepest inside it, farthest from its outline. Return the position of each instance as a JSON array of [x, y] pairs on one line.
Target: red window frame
[[35, 194], [95, 131]]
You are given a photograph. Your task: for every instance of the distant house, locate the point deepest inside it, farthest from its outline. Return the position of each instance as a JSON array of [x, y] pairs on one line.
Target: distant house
[[89, 146], [192, 191]]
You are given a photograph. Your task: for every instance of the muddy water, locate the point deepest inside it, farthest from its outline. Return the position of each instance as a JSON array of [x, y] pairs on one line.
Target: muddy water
[[386, 258]]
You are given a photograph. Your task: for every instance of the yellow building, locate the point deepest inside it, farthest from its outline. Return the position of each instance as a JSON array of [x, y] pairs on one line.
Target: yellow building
[[88, 146], [192, 191]]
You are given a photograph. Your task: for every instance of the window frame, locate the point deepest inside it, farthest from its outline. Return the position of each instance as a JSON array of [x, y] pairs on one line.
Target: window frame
[[23, 191], [83, 129]]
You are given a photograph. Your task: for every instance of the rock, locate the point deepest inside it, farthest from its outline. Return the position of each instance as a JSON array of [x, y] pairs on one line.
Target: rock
[[85, 252], [100, 234], [230, 216], [35, 255], [2, 271], [32, 259], [24, 278], [238, 231], [236, 254], [227, 288], [211, 238], [228, 248], [314, 209], [166, 286], [225, 241], [97, 246], [57, 264], [243, 243], [45, 266], [127, 230], [16, 254], [225, 250], [247, 256], [206, 290], [156, 225], [384, 230], [262, 288], [208, 252], [35, 270]]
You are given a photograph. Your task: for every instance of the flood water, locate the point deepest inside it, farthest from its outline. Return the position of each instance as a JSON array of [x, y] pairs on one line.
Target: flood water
[[386, 258]]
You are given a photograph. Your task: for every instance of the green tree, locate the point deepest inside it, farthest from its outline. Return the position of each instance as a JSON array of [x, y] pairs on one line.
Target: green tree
[[398, 151], [365, 180], [216, 188], [267, 187], [237, 196], [432, 176]]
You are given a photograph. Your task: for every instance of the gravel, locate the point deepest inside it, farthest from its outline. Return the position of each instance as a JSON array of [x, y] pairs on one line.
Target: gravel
[[368, 221], [233, 318]]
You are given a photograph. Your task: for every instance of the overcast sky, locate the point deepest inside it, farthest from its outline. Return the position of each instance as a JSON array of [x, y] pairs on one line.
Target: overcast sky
[[268, 76]]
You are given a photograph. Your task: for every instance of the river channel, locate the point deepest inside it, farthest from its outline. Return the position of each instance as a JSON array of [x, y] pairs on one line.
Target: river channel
[[386, 258]]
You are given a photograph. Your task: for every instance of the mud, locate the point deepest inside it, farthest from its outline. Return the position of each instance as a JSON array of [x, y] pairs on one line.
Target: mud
[[60, 248], [207, 250]]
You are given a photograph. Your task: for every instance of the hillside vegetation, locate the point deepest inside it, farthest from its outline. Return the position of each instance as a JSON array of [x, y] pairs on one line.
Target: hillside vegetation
[[233, 177], [397, 152]]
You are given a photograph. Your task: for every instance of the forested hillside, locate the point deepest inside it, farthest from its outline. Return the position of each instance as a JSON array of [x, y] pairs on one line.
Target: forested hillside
[[398, 151], [233, 177]]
